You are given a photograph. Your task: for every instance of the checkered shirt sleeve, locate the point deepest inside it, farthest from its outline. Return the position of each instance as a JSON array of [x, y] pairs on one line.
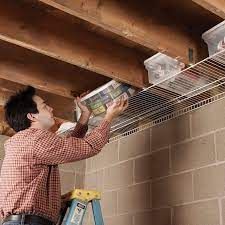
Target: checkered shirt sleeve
[[79, 131], [52, 149]]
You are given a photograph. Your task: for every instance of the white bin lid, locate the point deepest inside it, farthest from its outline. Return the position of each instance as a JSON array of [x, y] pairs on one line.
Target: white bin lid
[[219, 30]]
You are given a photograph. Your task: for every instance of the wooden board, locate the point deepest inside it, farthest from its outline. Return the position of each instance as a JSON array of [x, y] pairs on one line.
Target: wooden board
[[36, 29], [137, 22], [215, 6]]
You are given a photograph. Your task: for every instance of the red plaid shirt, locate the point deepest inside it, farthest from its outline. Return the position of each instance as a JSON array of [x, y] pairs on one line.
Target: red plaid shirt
[[29, 181]]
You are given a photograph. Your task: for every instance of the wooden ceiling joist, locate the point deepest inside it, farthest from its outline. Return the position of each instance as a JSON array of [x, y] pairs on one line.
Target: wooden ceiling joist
[[39, 31], [47, 74], [137, 25], [215, 6]]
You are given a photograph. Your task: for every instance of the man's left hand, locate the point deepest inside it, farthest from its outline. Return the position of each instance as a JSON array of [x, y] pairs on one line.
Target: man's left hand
[[85, 112]]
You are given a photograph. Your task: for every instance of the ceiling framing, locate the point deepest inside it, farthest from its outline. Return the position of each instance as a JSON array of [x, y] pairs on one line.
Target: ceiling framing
[[66, 47]]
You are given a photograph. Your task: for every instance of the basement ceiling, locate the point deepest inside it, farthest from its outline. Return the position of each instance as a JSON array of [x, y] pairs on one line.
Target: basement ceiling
[[67, 47]]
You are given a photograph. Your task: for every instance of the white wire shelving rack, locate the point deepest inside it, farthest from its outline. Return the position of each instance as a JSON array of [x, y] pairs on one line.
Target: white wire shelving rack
[[156, 104]]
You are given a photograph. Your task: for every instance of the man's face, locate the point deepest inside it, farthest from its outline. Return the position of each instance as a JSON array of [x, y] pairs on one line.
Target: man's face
[[45, 116]]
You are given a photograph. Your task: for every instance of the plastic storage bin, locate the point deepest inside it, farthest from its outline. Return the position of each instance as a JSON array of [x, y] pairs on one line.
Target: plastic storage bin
[[214, 36], [160, 67]]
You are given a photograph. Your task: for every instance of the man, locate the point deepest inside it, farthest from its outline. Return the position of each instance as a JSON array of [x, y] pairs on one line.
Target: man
[[29, 181]]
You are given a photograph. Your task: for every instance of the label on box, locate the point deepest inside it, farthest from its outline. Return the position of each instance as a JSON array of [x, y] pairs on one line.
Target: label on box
[[100, 100]]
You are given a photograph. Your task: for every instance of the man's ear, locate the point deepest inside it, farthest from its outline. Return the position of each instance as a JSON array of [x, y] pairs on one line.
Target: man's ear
[[31, 117]]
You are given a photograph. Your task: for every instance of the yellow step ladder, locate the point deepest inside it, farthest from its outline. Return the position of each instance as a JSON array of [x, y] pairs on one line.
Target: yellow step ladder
[[76, 206]]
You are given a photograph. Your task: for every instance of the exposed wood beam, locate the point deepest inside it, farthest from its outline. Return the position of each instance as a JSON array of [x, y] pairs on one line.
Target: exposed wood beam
[[37, 30], [215, 6], [5, 129], [137, 24], [47, 74]]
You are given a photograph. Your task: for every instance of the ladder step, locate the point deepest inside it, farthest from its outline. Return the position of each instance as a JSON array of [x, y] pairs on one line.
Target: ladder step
[[83, 195]]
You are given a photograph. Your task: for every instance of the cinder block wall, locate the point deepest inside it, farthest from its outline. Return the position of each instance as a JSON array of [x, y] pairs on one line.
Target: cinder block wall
[[72, 176], [173, 173]]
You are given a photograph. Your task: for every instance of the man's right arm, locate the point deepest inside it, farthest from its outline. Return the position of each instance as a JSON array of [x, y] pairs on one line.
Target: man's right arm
[[51, 149]]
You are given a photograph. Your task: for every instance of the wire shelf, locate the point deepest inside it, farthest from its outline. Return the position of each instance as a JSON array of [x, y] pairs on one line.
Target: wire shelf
[[198, 85]]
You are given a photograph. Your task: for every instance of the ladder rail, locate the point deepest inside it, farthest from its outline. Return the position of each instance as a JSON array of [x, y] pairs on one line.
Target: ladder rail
[[97, 212]]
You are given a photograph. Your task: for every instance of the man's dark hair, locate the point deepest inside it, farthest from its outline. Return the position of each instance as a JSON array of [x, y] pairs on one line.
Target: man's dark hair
[[17, 108]]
